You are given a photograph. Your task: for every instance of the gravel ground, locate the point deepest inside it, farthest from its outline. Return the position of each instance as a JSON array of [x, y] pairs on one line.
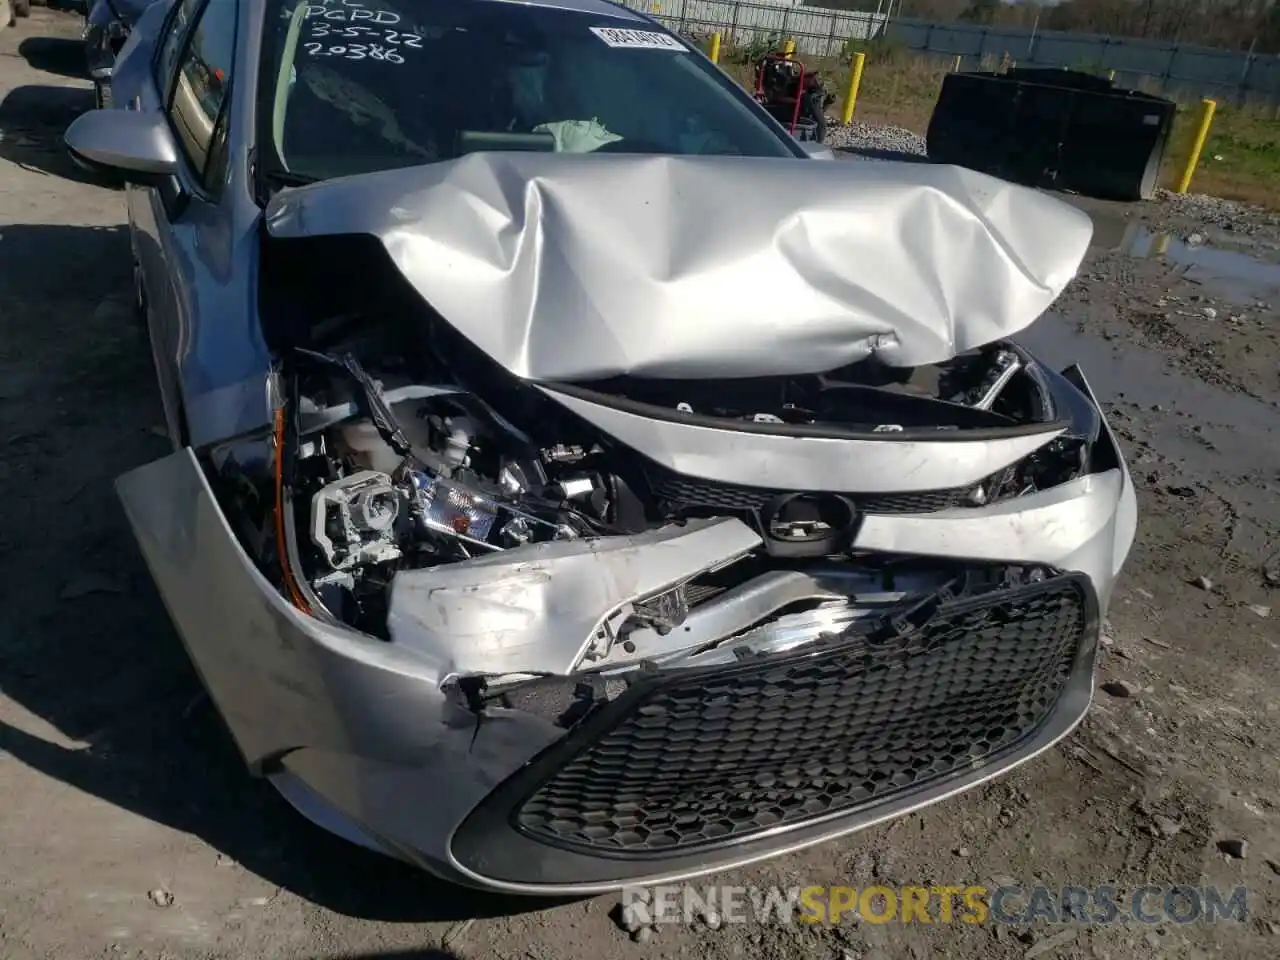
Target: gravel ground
[[875, 142], [130, 830]]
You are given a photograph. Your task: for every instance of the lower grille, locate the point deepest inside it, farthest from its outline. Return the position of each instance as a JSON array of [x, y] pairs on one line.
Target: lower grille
[[704, 758]]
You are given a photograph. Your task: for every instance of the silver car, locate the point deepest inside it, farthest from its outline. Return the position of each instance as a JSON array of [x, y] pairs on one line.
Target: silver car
[[575, 483], [106, 28]]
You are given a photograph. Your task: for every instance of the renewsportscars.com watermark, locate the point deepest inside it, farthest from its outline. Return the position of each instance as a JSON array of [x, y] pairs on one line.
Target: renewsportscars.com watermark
[[970, 904]]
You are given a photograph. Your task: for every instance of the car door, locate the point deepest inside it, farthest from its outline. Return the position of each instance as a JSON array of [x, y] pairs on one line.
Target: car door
[[181, 228]]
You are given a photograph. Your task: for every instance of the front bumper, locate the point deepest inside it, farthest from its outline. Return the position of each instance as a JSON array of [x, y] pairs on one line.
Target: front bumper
[[704, 769], [819, 741]]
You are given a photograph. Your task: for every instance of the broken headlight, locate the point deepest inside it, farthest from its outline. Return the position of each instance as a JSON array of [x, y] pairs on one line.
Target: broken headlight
[[1080, 449]]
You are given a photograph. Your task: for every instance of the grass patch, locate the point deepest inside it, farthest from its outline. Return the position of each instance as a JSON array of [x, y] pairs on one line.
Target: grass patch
[[900, 88], [1241, 158]]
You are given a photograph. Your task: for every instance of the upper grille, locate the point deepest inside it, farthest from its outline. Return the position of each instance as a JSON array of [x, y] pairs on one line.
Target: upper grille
[[692, 491], [717, 756]]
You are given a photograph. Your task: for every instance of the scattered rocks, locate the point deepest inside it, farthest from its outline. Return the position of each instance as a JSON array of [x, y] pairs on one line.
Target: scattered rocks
[[1260, 610], [1041, 947], [642, 934], [962, 852], [1234, 848], [1166, 827], [629, 918], [457, 932], [712, 920], [878, 142], [160, 897], [1121, 689], [1214, 211], [1210, 313], [1204, 583]]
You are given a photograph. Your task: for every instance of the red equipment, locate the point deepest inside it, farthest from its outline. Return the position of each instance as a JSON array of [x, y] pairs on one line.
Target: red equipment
[[779, 84]]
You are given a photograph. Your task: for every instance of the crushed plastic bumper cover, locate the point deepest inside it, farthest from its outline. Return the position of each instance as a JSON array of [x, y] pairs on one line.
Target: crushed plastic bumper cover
[[850, 730]]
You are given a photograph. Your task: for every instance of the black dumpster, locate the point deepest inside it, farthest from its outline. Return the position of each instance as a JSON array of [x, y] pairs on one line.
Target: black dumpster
[[1053, 128]]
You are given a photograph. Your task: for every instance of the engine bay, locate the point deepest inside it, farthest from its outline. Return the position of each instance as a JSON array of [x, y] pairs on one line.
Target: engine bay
[[380, 481]]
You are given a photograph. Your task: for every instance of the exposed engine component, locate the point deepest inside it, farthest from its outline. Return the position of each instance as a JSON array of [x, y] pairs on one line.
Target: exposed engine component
[[664, 612], [352, 520], [447, 508], [427, 477], [419, 476], [1006, 366]]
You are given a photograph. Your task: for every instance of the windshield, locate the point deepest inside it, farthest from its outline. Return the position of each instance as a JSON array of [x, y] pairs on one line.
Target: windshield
[[352, 86]]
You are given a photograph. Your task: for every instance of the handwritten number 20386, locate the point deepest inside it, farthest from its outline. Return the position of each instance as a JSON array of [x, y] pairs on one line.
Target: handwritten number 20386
[[355, 51]]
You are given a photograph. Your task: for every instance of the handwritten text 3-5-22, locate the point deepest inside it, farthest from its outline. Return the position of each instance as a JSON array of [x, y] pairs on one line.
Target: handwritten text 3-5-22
[[396, 37]]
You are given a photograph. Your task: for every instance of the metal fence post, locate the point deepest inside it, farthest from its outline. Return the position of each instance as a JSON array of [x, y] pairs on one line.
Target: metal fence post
[[733, 26], [831, 36], [1242, 95], [1168, 70], [683, 4]]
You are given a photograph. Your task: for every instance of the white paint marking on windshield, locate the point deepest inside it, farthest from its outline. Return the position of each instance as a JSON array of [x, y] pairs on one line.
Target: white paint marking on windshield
[[638, 39]]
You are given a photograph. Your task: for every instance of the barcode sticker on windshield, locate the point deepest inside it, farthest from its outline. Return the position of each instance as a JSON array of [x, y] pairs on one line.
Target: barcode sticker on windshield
[[638, 39]]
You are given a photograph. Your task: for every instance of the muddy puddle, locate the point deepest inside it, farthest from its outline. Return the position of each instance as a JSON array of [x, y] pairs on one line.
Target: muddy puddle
[[1182, 416], [1215, 260]]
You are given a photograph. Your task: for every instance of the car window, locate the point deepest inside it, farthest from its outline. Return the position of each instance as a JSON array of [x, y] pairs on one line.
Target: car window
[[175, 29], [351, 86], [204, 80]]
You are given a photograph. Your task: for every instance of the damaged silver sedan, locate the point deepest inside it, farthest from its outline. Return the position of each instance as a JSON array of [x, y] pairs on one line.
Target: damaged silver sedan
[[575, 483]]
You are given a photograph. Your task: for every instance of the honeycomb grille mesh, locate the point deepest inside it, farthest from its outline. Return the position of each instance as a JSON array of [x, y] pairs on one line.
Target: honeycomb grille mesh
[[690, 491], [714, 758]]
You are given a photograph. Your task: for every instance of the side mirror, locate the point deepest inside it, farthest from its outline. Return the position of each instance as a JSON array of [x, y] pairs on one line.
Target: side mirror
[[135, 144], [817, 151]]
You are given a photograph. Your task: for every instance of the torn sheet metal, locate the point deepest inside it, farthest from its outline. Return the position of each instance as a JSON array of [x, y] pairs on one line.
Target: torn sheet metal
[[582, 267], [537, 608]]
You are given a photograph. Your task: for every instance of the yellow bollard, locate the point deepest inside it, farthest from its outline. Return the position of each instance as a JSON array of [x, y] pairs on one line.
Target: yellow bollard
[[788, 47], [1207, 107], [715, 47], [956, 68], [855, 81]]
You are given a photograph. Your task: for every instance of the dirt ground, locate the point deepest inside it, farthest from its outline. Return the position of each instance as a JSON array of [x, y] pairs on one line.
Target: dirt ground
[[129, 828]]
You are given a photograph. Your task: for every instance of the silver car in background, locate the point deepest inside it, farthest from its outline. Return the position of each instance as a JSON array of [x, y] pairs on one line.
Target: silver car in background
[[107, 25], [574, 482]]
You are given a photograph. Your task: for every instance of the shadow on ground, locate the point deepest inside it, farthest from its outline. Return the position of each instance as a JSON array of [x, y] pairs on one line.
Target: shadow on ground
[[85, 643], [32, 121], [61, 56]]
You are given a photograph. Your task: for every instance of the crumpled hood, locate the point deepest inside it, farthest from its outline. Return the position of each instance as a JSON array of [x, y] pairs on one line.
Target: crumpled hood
[[577, 267]]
